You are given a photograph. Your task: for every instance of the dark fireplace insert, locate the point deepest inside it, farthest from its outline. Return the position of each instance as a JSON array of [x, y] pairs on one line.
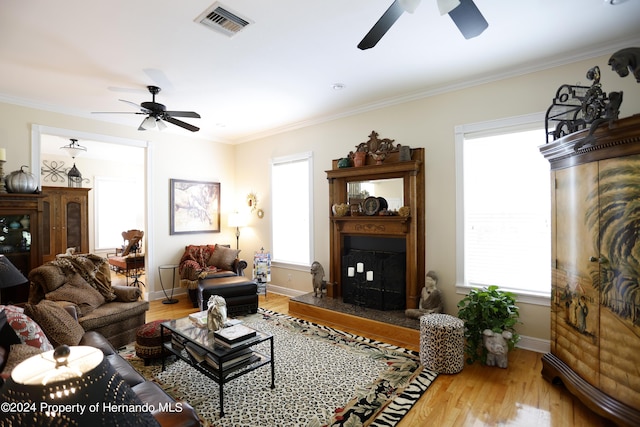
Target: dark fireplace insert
[[382, 284]]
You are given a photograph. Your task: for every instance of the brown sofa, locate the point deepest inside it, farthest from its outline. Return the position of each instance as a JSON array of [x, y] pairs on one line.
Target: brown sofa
[[58, 326], [83, 283]]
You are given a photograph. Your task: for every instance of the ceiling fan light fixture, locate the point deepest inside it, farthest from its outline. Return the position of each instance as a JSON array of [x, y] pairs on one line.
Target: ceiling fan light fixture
[[469, 19], [148, 123], [446, 6], [409, 6], [161, 125]]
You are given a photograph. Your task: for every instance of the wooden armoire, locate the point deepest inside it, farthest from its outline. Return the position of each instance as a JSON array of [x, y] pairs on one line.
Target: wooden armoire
[[65, 221], [595, 298]]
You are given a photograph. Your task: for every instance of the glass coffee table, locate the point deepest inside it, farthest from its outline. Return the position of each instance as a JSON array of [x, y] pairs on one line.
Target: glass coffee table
[[197, 347]]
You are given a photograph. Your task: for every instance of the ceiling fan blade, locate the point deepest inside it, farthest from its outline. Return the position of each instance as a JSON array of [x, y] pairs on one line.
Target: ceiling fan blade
[[133, 104], [385, 22], [468, 19], [181, 124], [117, 112], [183, 114]]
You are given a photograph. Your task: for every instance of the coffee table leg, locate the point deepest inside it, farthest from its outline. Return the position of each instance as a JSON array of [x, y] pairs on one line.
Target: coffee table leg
[[162, 335], [273, 366], [221, 400]]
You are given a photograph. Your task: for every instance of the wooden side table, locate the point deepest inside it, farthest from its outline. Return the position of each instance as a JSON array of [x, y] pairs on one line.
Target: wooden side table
[[174, 267]]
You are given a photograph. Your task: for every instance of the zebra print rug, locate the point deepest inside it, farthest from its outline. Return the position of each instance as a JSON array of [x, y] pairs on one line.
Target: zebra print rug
[[324, 377]]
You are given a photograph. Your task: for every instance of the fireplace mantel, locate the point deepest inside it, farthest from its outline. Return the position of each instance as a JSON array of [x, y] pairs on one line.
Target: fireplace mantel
[[377, 225], [411, 228]]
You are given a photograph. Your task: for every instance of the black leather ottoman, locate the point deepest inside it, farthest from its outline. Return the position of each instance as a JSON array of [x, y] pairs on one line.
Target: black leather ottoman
[[239, 292]]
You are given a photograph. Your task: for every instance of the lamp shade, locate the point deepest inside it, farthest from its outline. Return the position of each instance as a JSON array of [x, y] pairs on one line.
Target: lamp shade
[[79, 389], [9, 274], [148, 123], [237, 219]]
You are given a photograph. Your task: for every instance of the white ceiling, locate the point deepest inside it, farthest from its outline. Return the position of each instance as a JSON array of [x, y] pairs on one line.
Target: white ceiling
[[78, 56]]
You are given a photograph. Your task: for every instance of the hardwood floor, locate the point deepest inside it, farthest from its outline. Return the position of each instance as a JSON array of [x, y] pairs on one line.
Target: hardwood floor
[[477, 396]]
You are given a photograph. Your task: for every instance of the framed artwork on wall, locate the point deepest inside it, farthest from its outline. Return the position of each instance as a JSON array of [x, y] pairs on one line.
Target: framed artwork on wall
[[195, 207]]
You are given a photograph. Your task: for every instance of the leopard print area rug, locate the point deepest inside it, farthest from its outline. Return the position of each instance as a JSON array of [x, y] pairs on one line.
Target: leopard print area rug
[[323, 377]]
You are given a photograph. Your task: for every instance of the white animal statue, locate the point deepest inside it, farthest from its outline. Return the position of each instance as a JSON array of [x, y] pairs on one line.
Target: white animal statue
[[430, 299], [216, 313], [317, 273], [497, 347]]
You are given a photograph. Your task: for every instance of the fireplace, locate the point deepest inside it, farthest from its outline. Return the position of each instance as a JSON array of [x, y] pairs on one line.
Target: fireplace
[[389, 245]]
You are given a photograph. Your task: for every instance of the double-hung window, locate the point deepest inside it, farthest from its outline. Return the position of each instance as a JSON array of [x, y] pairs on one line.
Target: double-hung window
[[504, 207], [291, 197]]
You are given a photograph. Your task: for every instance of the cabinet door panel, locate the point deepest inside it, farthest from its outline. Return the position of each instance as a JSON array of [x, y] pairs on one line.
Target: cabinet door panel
[[575, 299], [619, 194]]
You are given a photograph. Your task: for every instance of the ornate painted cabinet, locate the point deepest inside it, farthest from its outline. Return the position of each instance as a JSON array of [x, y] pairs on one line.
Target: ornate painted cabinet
[[595, 298]]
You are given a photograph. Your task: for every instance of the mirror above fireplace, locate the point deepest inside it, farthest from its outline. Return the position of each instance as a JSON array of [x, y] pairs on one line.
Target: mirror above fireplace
[[392, 189]]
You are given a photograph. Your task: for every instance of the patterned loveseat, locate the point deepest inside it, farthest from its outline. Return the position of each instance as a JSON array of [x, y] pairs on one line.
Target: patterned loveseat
[[82, 283]]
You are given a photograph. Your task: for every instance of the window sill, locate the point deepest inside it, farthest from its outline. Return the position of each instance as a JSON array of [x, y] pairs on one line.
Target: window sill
[[521, 296]]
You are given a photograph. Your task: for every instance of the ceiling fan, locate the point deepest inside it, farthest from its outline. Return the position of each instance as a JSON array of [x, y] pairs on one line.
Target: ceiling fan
[[157, 114], [464, 13]]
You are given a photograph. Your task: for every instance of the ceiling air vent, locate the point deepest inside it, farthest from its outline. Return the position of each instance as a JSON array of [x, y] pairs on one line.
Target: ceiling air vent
[[219, 18]]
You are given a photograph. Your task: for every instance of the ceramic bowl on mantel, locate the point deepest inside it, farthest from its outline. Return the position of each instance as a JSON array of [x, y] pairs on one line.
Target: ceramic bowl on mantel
[[341, 209]]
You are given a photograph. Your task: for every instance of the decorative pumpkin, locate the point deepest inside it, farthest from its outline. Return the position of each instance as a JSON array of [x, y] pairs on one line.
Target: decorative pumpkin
[[21, 181]]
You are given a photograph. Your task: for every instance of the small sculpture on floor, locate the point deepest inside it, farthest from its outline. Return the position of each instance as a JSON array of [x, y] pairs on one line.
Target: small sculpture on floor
[[216, 313], [497, 347], [319, 285], [430, 299]]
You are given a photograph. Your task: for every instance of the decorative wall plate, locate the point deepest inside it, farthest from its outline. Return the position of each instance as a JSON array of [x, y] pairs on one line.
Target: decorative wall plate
[[371, 205]]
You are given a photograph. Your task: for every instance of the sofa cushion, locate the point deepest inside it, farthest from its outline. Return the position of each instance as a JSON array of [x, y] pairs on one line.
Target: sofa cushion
[[127, 293], [56, 322], [25, 328], [112, 313], [223, 257], [79, 292], [17, 354]]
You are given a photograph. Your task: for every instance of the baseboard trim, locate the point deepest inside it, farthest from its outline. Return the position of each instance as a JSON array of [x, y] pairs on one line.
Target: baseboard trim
[[534, 344]]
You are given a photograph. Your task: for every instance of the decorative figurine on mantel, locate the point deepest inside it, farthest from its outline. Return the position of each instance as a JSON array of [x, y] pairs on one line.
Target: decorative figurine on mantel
[[319, 285], [430, 298], [378, 149]]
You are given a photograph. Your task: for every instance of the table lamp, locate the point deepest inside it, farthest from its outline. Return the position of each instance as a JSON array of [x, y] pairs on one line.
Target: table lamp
[[9, 275], [71, 386]]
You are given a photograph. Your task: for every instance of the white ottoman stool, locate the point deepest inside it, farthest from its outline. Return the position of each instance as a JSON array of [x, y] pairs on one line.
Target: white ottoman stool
[[442, 343]]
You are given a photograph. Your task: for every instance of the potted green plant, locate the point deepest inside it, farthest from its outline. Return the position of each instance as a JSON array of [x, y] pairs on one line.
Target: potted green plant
[[488, 309]]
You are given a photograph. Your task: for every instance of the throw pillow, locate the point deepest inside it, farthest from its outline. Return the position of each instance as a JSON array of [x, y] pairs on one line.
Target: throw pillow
[[18, 354], [223, 257], [79, 292], [56, 322], [7, 334], [25, 328]]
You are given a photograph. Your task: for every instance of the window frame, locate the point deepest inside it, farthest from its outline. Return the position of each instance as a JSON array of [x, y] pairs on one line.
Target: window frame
[[299, 157], [488, 128]]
